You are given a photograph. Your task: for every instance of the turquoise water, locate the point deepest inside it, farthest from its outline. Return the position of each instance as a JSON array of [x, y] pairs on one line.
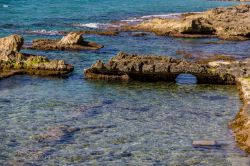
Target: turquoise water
[[118, 123]]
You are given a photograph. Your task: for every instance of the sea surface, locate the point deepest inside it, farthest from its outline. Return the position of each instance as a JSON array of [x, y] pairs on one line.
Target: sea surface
[[118, 123]]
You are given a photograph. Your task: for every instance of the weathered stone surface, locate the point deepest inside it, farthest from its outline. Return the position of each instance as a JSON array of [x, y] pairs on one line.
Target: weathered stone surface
[[163, 68], [14, 62], [241, 123], [222, 22], [11, 43], [72, 41]]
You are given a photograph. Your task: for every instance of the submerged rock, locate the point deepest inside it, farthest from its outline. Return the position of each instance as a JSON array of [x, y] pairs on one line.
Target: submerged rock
[[14, 62], [57, 133], [222, 22], [72, 41], [204, 143]]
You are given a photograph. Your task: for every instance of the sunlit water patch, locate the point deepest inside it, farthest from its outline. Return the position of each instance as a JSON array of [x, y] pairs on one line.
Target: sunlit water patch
[[98, 122]]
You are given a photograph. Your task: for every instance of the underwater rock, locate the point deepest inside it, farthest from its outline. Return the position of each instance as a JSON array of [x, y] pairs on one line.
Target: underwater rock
[[72, 41], [219, 22], [57, 133], [13, 62], [204, 143]]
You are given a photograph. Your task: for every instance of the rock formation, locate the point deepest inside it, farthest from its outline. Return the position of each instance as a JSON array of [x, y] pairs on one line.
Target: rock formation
[[14, 62], [72, 41], [241, 123], [219, 22], [161, 68], [11, 43]]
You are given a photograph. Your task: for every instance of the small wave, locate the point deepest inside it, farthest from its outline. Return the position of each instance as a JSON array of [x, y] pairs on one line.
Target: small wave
[[132, 20], [5, 6], [43, 32], [96, 25]]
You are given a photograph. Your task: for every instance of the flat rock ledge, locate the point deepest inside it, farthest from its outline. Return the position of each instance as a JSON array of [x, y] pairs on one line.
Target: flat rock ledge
[[72, 41], [125, 67], [222, 22], [13, 62]]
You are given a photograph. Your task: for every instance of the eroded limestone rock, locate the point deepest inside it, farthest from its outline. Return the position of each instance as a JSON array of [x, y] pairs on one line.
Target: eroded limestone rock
[[13, 62], [11, 43], [232, 23], [241, 123], [162, 68], [72, 41]]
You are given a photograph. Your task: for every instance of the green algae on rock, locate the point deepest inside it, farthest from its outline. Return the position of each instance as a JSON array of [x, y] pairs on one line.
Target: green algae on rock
[[13, 62]]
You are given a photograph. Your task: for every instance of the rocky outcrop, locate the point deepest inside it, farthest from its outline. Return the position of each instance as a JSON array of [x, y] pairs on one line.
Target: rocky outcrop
[[219, 22], [72, 41], [161, 68], [11, 43], [14, 62], [241, 123]]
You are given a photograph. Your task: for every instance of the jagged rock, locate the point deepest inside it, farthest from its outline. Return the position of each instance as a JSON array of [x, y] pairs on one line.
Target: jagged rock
[[219, 22], [163, 68], [72, 41], [241, 123], [13, 62], [11, 43]]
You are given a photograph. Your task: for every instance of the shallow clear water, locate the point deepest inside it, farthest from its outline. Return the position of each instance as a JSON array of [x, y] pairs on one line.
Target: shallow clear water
[[119, 123]]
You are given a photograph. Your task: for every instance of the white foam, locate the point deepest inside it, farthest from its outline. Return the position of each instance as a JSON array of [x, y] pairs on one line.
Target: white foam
[[132, 20], [44, 32], [96, 25], [5, 6]]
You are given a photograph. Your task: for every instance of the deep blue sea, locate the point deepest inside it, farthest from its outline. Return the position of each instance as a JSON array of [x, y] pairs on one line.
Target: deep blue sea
[[119, 123]]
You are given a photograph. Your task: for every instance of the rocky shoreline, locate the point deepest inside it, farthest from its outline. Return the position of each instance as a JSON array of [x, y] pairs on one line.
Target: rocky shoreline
[[127, 67], [222, 22], [13, 62]]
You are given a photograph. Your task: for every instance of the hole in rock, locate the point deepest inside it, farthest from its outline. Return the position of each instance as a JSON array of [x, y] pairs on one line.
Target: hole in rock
[[186, 79]]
